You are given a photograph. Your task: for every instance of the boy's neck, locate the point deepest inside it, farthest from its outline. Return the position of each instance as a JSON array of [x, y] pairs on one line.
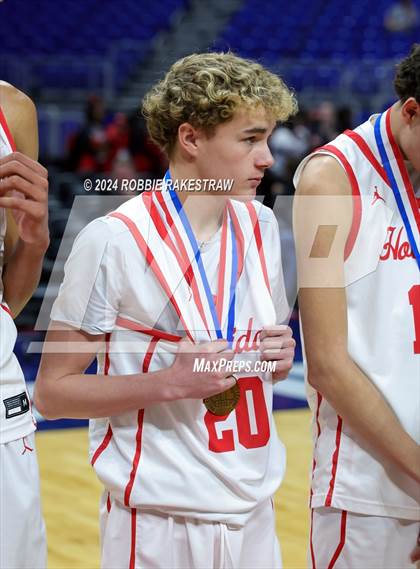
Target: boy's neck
[[203, 209], [397, 125]]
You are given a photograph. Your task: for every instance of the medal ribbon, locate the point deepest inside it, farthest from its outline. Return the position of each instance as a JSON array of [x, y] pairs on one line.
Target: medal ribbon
[[391, 177], [180, 253], [197, 256]]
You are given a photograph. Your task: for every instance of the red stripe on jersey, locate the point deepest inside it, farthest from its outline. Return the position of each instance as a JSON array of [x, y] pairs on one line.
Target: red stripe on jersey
[[140, 417], [136, 459], [334, 460], [319, 401], [311, 545], [108, 436], [403, 170], [6, 309], [7, 132], [102, 446], [149, 354], [108, 503], [133, 539], [258, 240], [357, 203], [342, 540], [137, 327], [181, 255], [364, 148], [151, 261], [239, 236], [164, 234]]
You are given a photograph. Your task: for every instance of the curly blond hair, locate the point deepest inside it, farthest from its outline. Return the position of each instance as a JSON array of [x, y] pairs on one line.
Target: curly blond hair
[[206, 89]]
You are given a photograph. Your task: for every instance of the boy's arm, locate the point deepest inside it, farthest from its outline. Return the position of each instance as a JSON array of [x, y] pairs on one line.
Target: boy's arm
[[24, 194], [62, 388], [323, 201]]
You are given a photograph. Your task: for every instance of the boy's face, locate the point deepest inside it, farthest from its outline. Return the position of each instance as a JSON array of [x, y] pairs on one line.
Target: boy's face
[[238, 150]]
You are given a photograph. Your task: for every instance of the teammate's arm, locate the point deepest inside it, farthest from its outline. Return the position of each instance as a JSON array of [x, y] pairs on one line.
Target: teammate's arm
[[24, 194], [62, 388], [321, 202]]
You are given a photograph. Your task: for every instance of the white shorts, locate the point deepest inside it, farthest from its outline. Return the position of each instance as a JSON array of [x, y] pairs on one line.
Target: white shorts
[[133, 539], [345, 540], [22, 529]]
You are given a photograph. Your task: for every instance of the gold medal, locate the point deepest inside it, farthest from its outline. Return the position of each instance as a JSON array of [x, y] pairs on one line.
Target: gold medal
[[225, 402]]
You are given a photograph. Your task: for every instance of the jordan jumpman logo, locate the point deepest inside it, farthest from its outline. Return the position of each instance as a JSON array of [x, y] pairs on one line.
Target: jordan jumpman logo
[[377, 196]]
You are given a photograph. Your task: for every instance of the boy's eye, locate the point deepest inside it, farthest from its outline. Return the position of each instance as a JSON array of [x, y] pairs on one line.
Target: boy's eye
[[250, 139]]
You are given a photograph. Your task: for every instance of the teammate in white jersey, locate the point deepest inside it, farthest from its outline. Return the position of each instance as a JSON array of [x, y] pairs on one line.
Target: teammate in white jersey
[[24, 239], [184, 487], [357, 227]]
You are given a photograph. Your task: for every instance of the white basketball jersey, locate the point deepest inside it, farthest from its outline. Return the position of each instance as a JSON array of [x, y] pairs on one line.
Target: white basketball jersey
[[383, 311], [15, 416], [177, 457]]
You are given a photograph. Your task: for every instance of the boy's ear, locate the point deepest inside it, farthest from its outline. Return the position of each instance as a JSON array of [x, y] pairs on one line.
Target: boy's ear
[[410, 109], [188, 138]]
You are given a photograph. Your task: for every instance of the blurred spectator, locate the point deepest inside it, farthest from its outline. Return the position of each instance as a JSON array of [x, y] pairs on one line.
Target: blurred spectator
[[88, 147], [323, 123], [117, 139], [123, 166], [344, 119], [115, 146], [289, 142], [148, 158], [402, 16]]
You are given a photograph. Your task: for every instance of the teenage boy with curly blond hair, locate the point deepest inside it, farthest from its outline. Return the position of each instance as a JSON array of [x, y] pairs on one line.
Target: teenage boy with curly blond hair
[[176, 293]]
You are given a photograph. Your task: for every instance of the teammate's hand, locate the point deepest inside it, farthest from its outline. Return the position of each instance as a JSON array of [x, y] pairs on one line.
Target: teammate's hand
[[24, 190], [277, 344], [415, 554], [185, 383]]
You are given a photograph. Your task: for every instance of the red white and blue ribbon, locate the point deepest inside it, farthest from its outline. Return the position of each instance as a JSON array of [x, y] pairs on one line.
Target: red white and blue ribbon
[[215, 308], [393, 163], [175, 259]]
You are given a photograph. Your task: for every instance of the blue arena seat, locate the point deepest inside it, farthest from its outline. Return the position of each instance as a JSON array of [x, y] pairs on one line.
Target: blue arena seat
[[320, 30], [92, 28]]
